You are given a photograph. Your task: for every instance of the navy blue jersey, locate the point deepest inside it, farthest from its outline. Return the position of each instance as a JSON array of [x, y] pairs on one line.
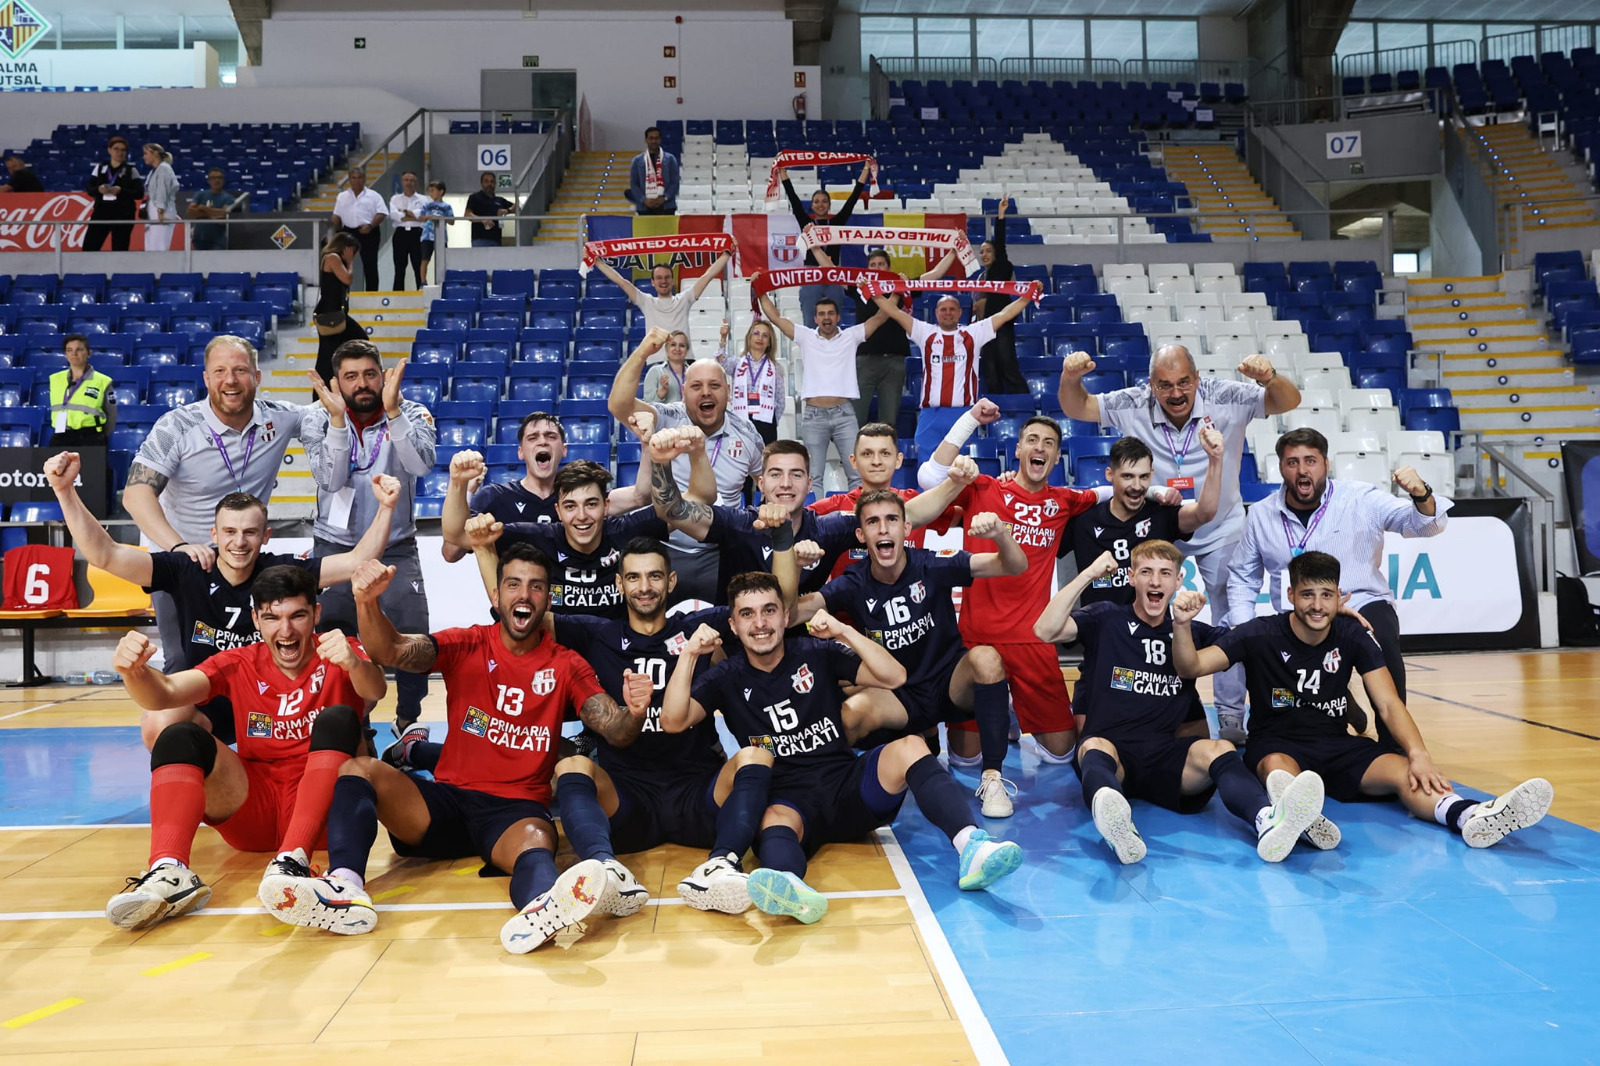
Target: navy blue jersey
[[746, 548], [510, 502], [1129, 683], [913, 618], [611, 646], [214, 615], [1099, 530], [586, 582], [794, 712], [1300, 691]]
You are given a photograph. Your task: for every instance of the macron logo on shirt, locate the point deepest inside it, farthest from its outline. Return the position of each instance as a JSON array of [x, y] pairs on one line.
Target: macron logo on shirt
[[1133, 627]]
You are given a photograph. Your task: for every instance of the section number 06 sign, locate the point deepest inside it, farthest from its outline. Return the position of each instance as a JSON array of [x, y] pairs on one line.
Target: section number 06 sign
[[494, 157], [1344, 145]]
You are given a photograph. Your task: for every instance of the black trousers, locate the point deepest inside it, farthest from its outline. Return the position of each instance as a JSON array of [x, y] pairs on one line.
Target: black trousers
[[96, 233], [369, 255], [406, 247], [999, 367], [326, 346]]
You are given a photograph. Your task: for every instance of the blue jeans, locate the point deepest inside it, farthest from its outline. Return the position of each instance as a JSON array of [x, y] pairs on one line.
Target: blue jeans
[[932, 424], [819, 425]]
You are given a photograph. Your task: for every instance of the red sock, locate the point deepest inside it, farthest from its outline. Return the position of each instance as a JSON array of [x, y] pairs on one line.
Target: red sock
[[177, 806], [312, 800]]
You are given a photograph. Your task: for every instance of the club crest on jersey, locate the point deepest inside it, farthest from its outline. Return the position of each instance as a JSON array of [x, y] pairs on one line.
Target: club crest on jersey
[[919, 592], [1330, 661], [803, 679], [1052, 508], [318, 677], [675, 644], [260, 725], [544, 682], [738, 447], [476, 722], [261, 688], [1142, 529]]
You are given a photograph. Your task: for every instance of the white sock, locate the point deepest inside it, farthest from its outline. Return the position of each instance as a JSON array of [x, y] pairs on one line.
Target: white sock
[[349, 876], [166, 860], [1441, 809], [961, 838], [1048, 756], [1263, 820], [964, 762]]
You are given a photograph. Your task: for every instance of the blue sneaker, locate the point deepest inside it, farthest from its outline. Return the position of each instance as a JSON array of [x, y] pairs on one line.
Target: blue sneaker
[[782, 893], [986, 860]]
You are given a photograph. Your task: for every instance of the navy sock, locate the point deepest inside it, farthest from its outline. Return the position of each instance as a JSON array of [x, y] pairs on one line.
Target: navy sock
[[1242, 792], [1097, 770], [779, 849], [1453, 813], [941, 800], [583, 820], [424, 755], [991, 707], [740, 815], [532, 876], [352, 824]]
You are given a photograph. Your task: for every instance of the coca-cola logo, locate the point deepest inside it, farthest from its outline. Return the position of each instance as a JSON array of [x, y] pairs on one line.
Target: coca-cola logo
[[17, 210]]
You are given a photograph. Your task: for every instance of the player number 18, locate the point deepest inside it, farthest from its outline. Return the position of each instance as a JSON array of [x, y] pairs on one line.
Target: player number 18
[[1155, 651]]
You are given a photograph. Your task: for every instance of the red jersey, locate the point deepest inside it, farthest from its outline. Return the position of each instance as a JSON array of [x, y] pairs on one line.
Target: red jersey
[[846, 501], [273, 713], [950, 361], [1002, 610], [39, 578], [505, 710]]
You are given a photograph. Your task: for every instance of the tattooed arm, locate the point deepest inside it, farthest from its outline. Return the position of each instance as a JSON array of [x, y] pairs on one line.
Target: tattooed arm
[[610, 719], [690, 516], [385, 645], [143, 506]]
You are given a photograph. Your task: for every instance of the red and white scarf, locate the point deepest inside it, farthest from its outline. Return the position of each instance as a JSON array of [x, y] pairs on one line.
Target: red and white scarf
[[797, 157], [939, 240], [892, 284], [755, 388], [764, 281], [716, 243], [653, 184]]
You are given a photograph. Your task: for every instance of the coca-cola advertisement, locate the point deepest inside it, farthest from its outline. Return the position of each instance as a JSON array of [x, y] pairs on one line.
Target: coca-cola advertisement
[[20, 208]]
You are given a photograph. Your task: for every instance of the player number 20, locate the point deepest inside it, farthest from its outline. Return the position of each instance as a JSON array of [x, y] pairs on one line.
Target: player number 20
[[784, 717]]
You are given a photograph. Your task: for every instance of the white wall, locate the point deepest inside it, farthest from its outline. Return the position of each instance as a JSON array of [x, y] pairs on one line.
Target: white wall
[[844, 86], [1223, 37], [1455, 250], [729, 64]]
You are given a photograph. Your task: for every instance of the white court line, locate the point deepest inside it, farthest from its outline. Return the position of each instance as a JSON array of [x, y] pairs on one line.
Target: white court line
[[30, 710], [80, 825], [979, 1033]]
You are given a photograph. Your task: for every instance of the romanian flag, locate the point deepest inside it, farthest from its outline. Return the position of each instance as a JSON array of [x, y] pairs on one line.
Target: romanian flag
[[772, 241], [685, 264]]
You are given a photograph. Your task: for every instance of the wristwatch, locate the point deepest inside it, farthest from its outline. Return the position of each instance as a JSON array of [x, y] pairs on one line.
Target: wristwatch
[[1419, 499]]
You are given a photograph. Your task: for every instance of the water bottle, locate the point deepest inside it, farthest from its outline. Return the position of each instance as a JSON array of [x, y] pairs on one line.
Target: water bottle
[[104, 677], [77, 677]]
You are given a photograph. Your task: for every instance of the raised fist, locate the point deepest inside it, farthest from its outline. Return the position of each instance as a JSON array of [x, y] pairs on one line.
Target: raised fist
[[964, 471], [1257, 368], [467, 465], [655, 340], [386, 490], [334, 647], [1104, 566], [370, 581], [807, 553], [1186, 605], [643, 424], [668, 444], [62, 471], [1212, 441], [482, 530], [133, 651], [1408, 479], [1076, 365], [986, 411], [825, 626], [985, 525], [637, 691], [703, 641], [771, 515]]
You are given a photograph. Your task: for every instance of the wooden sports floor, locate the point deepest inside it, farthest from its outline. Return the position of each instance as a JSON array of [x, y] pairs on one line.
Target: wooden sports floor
[[903, 969]]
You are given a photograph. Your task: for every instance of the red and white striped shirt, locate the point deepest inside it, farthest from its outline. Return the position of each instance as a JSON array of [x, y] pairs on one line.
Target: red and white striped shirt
[[950, 361]]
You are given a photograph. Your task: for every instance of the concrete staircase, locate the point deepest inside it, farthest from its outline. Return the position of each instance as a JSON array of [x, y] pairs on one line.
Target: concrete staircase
[[594, 182], [1520, 170], [1223, 190]]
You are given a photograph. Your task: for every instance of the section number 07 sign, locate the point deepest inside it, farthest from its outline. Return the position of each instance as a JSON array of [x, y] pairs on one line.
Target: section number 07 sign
[[494, 157], [1344, 145]]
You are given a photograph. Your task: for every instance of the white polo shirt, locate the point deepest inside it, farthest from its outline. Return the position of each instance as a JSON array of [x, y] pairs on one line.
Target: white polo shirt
[[400, 203], [353, 210], [735, 454], [828, 364]]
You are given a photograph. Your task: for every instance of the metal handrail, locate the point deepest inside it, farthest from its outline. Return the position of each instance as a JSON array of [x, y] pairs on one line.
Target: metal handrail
[[1410, 57], [1498, 461], [403, 130]]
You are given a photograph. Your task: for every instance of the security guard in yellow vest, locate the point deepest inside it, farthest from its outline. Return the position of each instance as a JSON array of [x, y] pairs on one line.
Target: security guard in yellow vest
[[83, 407]]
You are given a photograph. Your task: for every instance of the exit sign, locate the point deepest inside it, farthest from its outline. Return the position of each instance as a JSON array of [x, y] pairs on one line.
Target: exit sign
[[530, 61]]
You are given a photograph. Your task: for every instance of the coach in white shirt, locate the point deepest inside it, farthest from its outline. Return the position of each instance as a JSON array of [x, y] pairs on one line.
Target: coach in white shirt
[[1168, 414], [405, 214], [359, 212], [1346, 519]]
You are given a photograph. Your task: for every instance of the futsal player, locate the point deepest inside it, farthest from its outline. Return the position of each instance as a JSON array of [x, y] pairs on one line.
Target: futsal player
[[783, 696], [876, 456], [1297, 668], [1130, 745], [294, 696]]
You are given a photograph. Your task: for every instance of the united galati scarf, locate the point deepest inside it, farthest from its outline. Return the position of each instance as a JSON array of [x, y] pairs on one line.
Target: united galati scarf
[[791, 158], [764, 281], [713, 243], [885, 284], [939, 240]]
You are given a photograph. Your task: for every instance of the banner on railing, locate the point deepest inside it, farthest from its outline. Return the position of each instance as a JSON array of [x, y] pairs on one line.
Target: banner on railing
[[19, 208]]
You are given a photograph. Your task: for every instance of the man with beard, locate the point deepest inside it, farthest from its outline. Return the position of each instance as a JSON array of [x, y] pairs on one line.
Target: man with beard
[[295, 698], [507, 686], [198, 453], [1131, 744], [732, 445], [1298, 666], [1167, 414], [364, 427], [1346, 519]]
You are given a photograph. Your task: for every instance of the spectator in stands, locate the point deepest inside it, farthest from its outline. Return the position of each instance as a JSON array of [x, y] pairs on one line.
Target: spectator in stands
[[666, 309], [331, 316], [364, 427], [758, 388], [161, 199], [881, 358], [485, 209], [360, 212], [433, 210], [213, 202], [664, 382], [117, 190], [20, 176], [822, 214], [653, 178], [83, 407], [405, 213], [1001, 374]]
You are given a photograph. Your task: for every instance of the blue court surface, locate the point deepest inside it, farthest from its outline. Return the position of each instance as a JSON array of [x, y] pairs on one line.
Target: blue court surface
[[1402, 946]]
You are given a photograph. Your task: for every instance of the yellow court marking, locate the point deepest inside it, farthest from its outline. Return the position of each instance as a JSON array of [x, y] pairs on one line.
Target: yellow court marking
[[391, 893], [277, 929], [43, 1012], [465, 870], [177, 964]]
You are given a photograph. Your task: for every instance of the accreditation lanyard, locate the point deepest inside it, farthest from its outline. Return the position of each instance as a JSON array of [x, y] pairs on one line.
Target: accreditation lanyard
[[244, 464], [1297, 550], [1180, 480], [377, 445]]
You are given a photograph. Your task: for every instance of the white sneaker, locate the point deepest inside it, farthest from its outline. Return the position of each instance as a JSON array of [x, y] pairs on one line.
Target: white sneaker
[[156, 895], [994, 795], [570, 900], [624, 895], [1293, 811], [293, 896], [1230, 727], [1321, 834], [1114, 819], [1517, 809], [717, 885]]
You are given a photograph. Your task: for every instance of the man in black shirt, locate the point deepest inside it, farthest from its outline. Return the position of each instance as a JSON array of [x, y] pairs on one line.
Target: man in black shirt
[[485, 210], [22, 178], [822, 214], [1297, 668]]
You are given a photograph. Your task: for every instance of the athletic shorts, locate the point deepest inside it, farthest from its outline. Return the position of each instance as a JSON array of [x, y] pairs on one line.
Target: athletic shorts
[[840, 803], [427, 248], [654, 809], [928, 703], [1152, 769], [260, 822], [464, 822], [1341, 762], [219, 711], [1038, 691]]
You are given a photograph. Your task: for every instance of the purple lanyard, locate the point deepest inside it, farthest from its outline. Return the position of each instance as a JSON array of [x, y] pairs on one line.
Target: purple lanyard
[[74, 386], [377, 445], [1188, 440], [716, 453], [1297, 550], [676, 376], [249, 446], [752, 376]]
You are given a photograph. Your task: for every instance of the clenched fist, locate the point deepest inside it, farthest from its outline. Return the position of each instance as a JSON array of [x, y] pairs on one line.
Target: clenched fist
[[370, 581], [1186, 605], [62, 472], [985, 525], [825, 626], [807, 553], [654, 341], [1411, 482], [1076, 365], [668, 444], [770, 515], [986, 411], [964, 471], [386, 490], [334, 647], [1104, 566], [703, 641], [482, 530], [1257, 368], [467, 465], [637, 691], [133, 651], [1212, 441]]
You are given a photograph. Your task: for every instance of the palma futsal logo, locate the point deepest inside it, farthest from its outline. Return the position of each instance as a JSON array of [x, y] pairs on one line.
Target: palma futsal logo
[[20, 28]]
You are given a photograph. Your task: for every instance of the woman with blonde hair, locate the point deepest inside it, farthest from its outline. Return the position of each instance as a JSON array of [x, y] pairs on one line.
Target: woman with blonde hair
[[755, 378], [664, 382], [331, 316], [161, 198]]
